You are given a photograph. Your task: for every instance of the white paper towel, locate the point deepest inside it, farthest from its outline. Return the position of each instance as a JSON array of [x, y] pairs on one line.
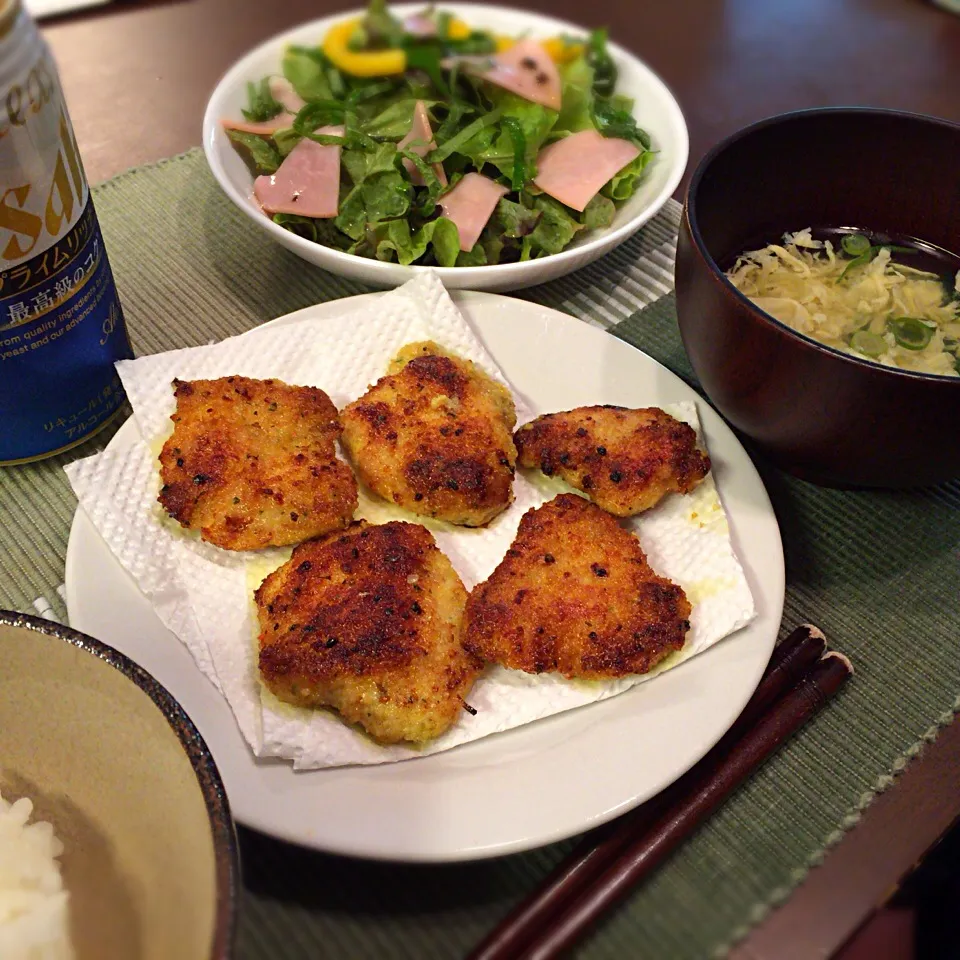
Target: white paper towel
[[204, 594]]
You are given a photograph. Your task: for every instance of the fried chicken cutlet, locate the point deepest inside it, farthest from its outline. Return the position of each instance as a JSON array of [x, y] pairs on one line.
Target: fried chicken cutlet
[[369, 622], [252, 463], [575, 595], [626, 461], [433, 436]]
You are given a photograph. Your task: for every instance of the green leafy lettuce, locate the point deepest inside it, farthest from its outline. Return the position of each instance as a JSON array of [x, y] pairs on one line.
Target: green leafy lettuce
[[389, 197]]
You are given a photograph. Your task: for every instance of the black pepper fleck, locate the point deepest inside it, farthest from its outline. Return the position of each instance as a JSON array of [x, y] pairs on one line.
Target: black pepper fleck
[[598, 570], [602, 451], [200, 478], [616, 476], [549, 558]]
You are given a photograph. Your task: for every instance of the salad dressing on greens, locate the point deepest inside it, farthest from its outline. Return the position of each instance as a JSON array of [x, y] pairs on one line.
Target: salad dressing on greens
[[441, 144]]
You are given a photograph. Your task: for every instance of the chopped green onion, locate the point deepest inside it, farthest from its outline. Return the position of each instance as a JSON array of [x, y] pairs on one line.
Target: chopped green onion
[[855, 244], [859, 261], [910, 333], [869, 344]]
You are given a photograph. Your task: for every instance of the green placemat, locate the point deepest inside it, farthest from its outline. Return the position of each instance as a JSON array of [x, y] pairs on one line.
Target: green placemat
[[878, 571]]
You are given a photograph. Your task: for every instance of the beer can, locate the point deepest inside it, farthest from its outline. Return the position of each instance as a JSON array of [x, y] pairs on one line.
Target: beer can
[[61, 326]]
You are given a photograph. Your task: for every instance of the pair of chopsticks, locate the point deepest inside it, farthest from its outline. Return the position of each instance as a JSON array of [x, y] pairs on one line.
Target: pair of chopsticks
[[800, 678]]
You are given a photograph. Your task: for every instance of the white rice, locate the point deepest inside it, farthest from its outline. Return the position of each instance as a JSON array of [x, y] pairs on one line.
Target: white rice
[[33, 902]]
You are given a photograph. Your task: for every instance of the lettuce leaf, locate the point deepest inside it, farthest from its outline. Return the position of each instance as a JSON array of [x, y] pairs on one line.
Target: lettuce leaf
[[598, 213], [361, 164], [515, 219], [319, 231], [306, 70], [386, 195], [624, 183], [380, 191], [392, 119], [555, 229], [397, 240], [266, 158], [576, 112]]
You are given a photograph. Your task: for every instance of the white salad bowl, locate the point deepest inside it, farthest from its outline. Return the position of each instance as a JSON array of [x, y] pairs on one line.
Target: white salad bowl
[[656, 111]]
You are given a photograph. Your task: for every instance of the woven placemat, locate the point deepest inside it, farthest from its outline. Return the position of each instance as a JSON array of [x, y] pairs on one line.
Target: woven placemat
[[877, 571]]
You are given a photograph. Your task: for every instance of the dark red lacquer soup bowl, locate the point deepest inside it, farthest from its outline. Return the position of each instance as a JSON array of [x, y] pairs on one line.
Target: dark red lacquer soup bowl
[[813, 410]]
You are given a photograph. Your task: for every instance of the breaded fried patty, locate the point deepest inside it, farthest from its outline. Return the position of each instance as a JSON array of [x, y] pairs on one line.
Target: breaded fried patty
[[575, 595], [252, 463], [433, 436], [369, 622], [626, 461]]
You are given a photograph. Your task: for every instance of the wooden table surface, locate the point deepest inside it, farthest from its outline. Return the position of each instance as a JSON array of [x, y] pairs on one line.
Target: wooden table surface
[[137, 76]]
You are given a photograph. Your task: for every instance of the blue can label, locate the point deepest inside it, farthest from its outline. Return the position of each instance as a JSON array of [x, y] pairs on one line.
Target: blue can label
[[61, 330]]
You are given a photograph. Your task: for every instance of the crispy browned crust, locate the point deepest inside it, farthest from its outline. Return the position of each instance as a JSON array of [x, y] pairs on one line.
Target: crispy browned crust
[[626, 461], [369, 622], [434, 438], [575, 595], [251, 463]]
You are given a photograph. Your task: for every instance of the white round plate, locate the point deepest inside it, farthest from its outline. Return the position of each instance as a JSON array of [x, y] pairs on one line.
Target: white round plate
[[656, 110], [514, 790]]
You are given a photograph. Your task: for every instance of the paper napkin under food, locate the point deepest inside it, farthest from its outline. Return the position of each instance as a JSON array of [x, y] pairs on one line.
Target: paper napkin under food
[[204, 594]]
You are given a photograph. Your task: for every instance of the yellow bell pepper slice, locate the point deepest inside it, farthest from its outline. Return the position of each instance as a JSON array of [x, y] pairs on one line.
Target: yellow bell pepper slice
[[558, 49], [458, 30], [362, 63], [373, 63]]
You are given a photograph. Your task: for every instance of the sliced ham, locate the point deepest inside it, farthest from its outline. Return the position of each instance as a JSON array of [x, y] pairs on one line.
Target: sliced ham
[[283, 92], [422, 134], [420, 25], [470, 205], [307, 182], [525, 69], [573, 169]]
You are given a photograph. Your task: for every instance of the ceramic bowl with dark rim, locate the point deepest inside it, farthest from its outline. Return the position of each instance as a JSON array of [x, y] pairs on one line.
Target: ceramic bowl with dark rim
[[816, 412], [109, 758]]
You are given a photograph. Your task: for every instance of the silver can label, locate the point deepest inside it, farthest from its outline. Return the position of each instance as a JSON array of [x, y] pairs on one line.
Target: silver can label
[[61, 326]]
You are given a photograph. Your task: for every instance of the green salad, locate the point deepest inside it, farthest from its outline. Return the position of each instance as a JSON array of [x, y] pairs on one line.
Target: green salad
[[423, 140]]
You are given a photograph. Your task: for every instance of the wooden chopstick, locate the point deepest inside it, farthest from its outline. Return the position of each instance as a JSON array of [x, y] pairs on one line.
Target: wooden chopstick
[[572, 880]]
